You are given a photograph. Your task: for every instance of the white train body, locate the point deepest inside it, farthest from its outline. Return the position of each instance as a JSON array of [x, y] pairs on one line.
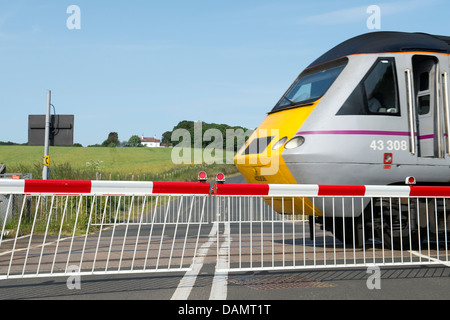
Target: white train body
[[371, 111]]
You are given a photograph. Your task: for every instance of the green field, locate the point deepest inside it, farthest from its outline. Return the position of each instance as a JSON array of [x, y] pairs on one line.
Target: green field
[[77, 163], [92, 163]]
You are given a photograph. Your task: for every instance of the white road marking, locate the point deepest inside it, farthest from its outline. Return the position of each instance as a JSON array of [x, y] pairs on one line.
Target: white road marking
[[220, 280], [219, 286], [430, 258], [33, 247], [187, 282]]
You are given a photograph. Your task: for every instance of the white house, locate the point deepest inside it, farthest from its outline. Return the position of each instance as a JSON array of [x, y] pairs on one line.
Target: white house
[[150, 142]]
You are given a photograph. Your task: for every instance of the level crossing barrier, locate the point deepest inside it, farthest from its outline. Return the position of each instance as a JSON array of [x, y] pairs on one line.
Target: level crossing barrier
[[56, 228], [325, 226]]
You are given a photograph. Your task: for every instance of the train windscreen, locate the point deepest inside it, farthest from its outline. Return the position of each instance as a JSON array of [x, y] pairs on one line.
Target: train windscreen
[[310, 86]]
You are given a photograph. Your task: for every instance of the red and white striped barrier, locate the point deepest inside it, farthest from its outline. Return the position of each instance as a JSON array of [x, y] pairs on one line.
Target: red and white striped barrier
[[94, 187], [102, 187], [328, 190]]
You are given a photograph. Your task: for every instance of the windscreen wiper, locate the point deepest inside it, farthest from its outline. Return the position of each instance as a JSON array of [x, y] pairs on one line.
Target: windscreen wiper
[[291, 102]]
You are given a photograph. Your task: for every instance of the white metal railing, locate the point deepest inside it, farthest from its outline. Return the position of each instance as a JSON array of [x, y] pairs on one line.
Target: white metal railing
[[347, 226], [51, 228]]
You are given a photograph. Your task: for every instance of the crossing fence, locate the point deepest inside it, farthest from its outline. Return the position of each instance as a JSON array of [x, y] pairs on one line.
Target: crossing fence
[[332, 226], [56, 228], [52, 228]]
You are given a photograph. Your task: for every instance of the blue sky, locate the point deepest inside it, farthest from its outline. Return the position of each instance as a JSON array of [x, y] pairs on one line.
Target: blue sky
[[141, 66]]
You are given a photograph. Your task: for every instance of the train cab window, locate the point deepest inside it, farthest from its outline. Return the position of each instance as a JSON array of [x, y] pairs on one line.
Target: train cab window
[[424, 104], [310, 86], [423, 93], [424, 81], [376, 94]]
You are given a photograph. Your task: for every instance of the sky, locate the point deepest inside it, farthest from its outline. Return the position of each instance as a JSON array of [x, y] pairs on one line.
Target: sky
[[140, 66]]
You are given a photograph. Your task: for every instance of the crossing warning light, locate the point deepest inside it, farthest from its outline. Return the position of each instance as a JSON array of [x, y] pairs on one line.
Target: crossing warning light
[[410, 180], [202, 177], [220, 178]]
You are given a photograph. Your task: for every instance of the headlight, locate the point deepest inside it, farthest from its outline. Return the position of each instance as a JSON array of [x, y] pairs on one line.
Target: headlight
[[295, 142], [279, 143]]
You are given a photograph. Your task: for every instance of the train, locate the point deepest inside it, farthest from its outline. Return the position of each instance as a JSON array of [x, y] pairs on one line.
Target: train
[[373, 110]]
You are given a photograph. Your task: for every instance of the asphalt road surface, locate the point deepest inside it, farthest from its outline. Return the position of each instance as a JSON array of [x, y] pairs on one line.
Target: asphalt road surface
[[255, 290], [422, 283]]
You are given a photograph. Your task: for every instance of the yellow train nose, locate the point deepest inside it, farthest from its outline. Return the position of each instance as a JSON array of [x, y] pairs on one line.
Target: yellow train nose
[[261, 160]]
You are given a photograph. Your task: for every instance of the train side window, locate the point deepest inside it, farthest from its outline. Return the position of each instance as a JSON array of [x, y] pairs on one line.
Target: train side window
[[376, 94]]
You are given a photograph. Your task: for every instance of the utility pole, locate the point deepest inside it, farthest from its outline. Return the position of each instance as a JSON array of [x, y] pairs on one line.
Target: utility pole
[[46, 168]]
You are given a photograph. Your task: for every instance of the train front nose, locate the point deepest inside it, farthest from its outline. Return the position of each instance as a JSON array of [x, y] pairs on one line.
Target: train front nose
[[261, 159]]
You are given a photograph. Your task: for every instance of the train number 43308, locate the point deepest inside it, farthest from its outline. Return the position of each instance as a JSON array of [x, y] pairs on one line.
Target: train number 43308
[[390, 145]]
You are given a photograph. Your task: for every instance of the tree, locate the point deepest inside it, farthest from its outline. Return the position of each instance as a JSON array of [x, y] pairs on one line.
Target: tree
[[166, 137], [235, 134], [112, 141], [134, 141]]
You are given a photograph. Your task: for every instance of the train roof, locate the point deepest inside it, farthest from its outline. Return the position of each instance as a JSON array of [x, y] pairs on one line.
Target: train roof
[[386, 41]]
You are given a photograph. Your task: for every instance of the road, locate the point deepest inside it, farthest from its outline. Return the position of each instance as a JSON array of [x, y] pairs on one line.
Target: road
[[423, 283], [204, 283]]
